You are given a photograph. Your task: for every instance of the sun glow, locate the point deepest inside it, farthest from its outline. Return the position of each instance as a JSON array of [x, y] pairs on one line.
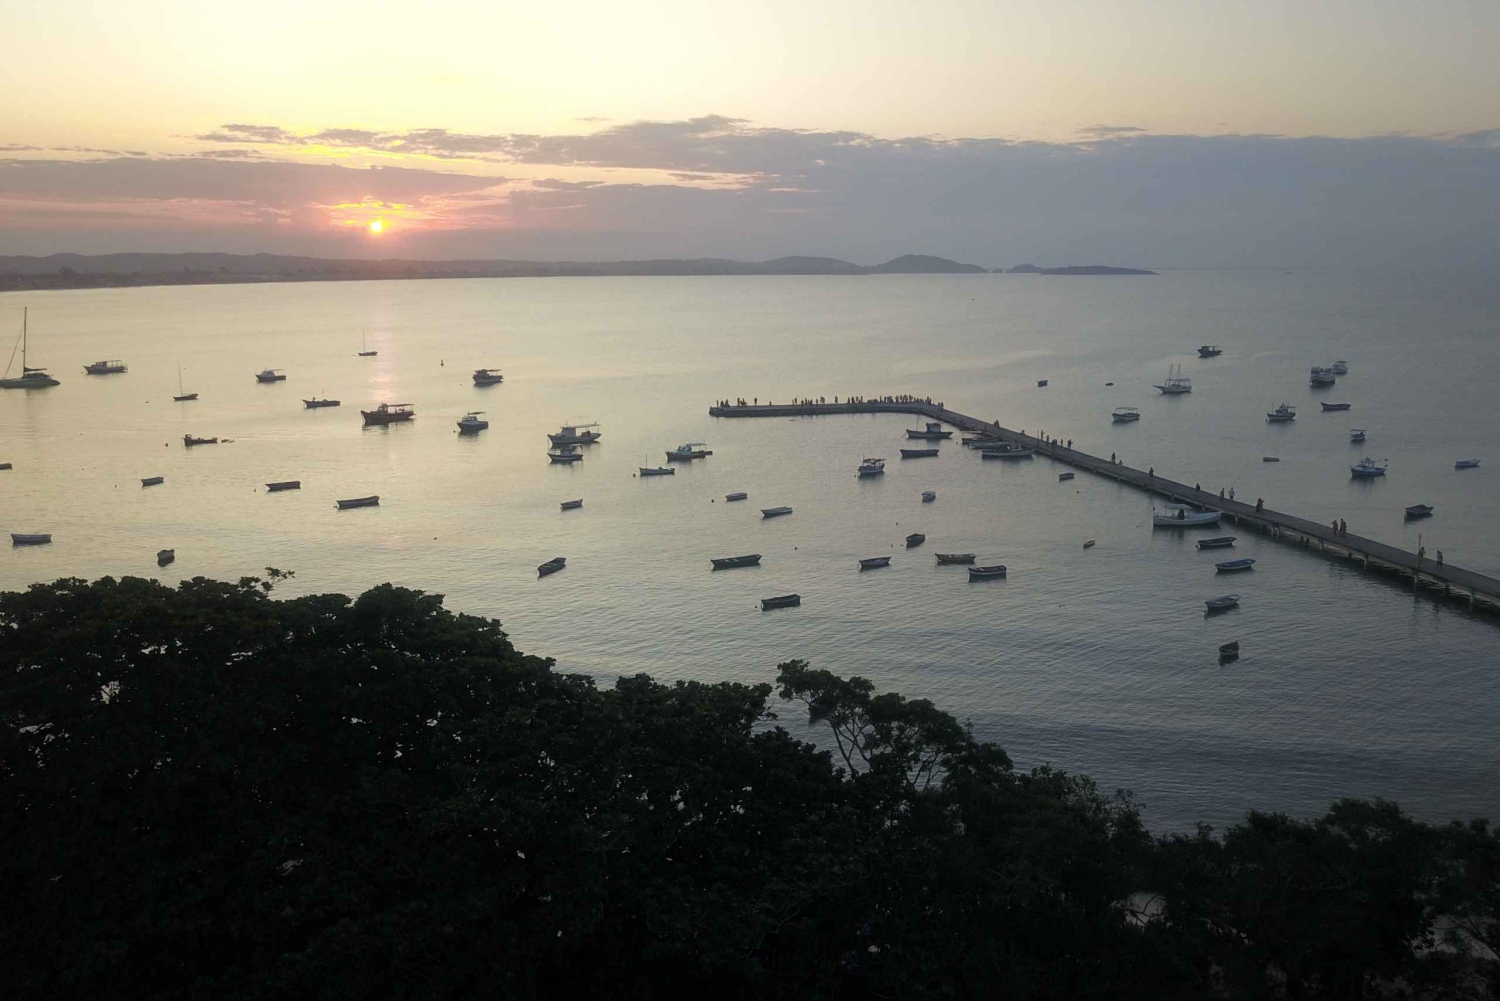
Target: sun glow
[[377, 226]]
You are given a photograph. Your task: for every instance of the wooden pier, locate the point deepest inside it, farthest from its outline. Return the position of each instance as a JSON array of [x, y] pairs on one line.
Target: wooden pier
[[1475, 589]]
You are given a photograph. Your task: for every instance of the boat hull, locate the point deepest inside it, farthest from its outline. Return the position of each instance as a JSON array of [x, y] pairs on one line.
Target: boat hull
[[29, 382], [1008, 453], [946, 558], [774, 512], [1223, 542], [22, 539], [1186, 521], [929, 435], [318, 404], [165, 556], [656, 471], [374, 418], [875, 563], [781, 601], [184, 398], [371, 501], [151, 481], [918, 453], [1419, 511], [731, 562], [574, 439], [551, 566], [572, 505], [284, 485], [736, 496], [1234, 566], [188, 441], [986, 573], [1336, 406]]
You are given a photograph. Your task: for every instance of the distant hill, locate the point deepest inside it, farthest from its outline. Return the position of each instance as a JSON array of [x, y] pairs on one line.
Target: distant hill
[[81, 271], [1076, 269]]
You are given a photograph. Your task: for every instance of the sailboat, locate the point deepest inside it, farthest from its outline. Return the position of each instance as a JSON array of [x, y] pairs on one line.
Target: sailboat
[[30, 378], [364, 351], [182, 396]]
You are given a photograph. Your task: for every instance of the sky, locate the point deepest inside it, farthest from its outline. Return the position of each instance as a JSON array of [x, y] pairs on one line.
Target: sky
[[1171, 133]]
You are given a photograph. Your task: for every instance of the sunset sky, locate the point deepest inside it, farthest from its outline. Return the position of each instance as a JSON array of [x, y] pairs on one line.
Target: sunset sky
[[1168, 133]]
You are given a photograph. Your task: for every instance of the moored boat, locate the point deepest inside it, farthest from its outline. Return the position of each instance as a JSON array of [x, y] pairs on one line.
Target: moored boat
[[1124, 415], [656, 470], [945, 558], [566, 453], [165, 556], [1230, 566], [23, 539], [1340, 367], [281, 485], [1320, 377], [928, 496], [572, 505], [270, 375], [372, 501], [774, 512], [188, 441], [553, 565], [1209, 351], [388, 413], [1218, 542], [315, 403], [875, 563], [151, 481], [1016, 452], [364, 351], [986, 573], [575, 434], [1367, 467], [1041, 382], [1090, 544], [1270, 458], [487, 376], [1356, 434], [688, 451], [871, 467], [738, 495], [1336, 406], [183, 395], [915, 539], [1229, 651], [781, 601], [1176, 383], [1222, 602], [1419, 511], [472, 422], [1283, 413], [730, 562], [111, 367], [1064, 476], [918, 453], [1177, 516], [1466, 464], [934, 431], [976, 439], [31, 377]]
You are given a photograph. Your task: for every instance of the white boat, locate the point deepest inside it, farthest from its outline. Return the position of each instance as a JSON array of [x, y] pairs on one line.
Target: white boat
[[688, 451], [657, 470], [575, 434], [565, 453], [1124, 415], [1176, 383], [1176, 516], [872, 467], [22, 539], [1340, 367], [1320, 376], [270, 375], [1368, 467], [736, 496], [1357, 434], [30, 378], [934, 432], [111, 367], [774, 512], [472, 422], [1222, 602], [928, 495], [1466, 464], [1281, 414]]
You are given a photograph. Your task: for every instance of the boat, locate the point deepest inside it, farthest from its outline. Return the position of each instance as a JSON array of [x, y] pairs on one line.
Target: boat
[[918, 453], [928, 496], [1124, 415], [1015, 452], [22, 539], [1336, 406], [781, 601], [151, 481], [1061, 477], [1340, 367], [1041, 382], [1176, 383], [871, 467], [688, 451], [1270, 458], [575, 434], [188, 441], [977, 439], [774, 512], [934, 432], [1217, 542], [1356, 434], [994, 444], [566, 453], [915, 539], [388, 413], [1367, 468], [315, 403], [30, 378], [736, 496], [730, 562], [572, 505], [280, 485], [875, 563], [653, 470], [1090, 544], [1419, 511], [112, 367], [986, 573], [364, 352], [553, 565], [946, 558], [1466, 464], [1222, 602], [471, 422], [1229, 651], [165, 556], [5, 465], [371, 501], [1321, 377], [183, 395], [1177, 516], [1283, 413], [1209, 351], [487, 376], [1230, 566], [270, 375]]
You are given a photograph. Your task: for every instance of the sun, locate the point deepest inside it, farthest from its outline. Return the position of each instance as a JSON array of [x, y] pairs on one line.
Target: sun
[[377, 226]]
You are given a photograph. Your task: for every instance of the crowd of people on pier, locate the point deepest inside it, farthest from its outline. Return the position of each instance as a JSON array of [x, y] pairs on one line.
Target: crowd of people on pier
[[811, 401]]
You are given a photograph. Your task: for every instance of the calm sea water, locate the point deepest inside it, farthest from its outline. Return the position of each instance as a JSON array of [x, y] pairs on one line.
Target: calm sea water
[[1098, 660]]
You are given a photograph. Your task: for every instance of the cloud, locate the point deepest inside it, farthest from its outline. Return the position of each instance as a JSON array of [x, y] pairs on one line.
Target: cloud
[[1102, 131]]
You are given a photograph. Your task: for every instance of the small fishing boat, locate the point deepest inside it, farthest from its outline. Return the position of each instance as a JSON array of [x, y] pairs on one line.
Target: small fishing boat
[[487, 376], [553, 565], [315, 403], [1340, 367], [976, 439], [1182, 517], [281, 485], [730, 562], [365, 352], [993, 444], [875, 563], [1230, 566], [1321, 378], [188, 441], [934, 432], [1124, 415], [112, 367], [871, 467], [738, 495], [22, 539], [781, 601], [472, 423], [656, 470], [566, 453], [918, 453], [1356, 434], [1229, 651], [183, 396], [388, 413], [1176, 383], [774, 512], [1466, 464], [1218, 542], [1270, 458], [30, 377], [928, 496], [1210, 351], [1336, 406], [1419, 511], [371, 501], [1008, 453], [1089, 544], [688, 451], [1367, 467], [151, 481], [5, 465], [575, 434], [572, 505], [1061, 477], [944, 558], [1222, 602], [915, 539], [165, 556], [1041, 382], [1281, 414], [986, 573], [270, 375]]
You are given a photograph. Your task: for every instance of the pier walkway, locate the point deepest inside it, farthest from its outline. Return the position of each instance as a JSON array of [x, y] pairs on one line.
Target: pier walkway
[[1475, 588]]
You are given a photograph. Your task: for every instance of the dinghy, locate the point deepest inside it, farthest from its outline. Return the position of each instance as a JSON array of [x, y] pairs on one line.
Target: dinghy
[[151, 481], [736, 496], [371, 501], [781, 601], [572, 505], [553, 565], [1230, 566], [1222, 602], [774, 512], [915, 539], [955, 558], [875, 563], [986, 573], [284, 485], [730, 562], [22, 539]]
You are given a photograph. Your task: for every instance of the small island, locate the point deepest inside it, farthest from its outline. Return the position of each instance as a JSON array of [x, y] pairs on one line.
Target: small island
[[1072, 269]]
